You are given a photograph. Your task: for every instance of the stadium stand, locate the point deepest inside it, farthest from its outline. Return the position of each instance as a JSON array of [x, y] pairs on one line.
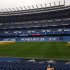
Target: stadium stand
[[24, 25], [33, 64]]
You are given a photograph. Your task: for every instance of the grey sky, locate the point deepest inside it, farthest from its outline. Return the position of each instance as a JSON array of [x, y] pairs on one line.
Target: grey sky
[[18, 3]]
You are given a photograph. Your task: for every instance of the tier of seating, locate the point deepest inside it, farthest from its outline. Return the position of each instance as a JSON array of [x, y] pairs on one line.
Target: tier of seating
[[33, 32], [32, 64], [29, 26], [24, 65], [43, 23], [32, 29]]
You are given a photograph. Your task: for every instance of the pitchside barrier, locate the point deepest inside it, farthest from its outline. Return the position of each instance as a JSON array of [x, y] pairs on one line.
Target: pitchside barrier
[[37, 39], [6, 42], [68, 44]]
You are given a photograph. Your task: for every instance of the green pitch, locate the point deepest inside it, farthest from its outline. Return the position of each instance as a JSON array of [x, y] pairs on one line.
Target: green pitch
[[45, 50]]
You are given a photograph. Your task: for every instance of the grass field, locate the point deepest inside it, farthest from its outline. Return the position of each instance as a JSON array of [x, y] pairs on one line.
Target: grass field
[[45, 50]]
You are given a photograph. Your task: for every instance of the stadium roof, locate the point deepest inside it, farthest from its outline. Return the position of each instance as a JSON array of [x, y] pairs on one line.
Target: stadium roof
[[34, 10], [17, 3]]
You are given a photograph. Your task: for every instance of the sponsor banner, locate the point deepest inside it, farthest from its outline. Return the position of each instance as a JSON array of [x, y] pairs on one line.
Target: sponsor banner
[[33, 39]]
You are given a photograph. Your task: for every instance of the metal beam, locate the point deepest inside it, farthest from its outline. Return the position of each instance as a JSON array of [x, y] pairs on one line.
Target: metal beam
[[25, 8], [59, 3], [21, 8], [6, 9], [50, 4], [17, 8], [45, 5], [33, 7], [54, 4], [64, 2], [10, 9], [37, 6], [29, 7], [41, 5], [14, 9], [3, 10]]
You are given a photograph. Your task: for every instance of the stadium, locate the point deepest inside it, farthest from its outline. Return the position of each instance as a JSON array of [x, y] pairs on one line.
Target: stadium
[[35, 39]]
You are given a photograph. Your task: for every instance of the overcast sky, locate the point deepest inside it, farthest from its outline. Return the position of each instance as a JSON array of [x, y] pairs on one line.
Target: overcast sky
[[17, 3]]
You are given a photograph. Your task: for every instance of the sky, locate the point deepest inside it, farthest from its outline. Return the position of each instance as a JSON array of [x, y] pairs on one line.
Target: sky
[[21, 3]]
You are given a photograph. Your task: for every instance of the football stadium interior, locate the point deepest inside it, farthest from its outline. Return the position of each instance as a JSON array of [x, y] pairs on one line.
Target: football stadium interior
[[35, 39]]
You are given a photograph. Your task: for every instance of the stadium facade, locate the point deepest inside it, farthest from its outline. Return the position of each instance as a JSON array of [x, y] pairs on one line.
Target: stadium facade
[[42, 24]]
